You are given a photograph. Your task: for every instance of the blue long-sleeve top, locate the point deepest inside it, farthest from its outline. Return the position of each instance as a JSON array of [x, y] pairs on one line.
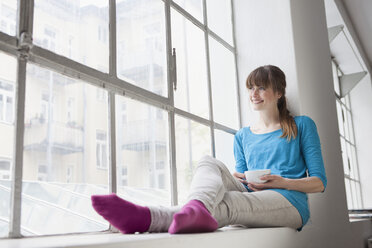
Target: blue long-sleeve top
[[298, 158]]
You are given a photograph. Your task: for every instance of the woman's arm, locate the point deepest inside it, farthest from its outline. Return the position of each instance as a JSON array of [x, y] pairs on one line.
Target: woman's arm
[[306, 185]]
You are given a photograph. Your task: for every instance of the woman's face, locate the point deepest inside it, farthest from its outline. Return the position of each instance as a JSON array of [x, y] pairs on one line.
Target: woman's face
[[263, 98]]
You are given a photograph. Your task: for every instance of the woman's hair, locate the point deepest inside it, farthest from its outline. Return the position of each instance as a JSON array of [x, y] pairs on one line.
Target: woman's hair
[[270, 76]]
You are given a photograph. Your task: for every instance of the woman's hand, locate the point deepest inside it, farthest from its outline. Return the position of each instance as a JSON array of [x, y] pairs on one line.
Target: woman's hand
[[273, 182], [240, 177]]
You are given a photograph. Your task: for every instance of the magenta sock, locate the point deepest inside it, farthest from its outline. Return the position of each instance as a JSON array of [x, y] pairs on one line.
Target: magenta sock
[[122, 214], [193, 218]]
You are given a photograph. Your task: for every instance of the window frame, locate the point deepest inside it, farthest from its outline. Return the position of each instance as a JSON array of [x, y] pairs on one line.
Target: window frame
[[354, 199], [21, 47]]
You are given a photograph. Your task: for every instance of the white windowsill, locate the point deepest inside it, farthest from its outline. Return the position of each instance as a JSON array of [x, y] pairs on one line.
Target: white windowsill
[[224, 237]]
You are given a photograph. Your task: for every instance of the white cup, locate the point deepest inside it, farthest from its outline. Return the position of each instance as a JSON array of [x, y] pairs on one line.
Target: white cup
[[253, 176]]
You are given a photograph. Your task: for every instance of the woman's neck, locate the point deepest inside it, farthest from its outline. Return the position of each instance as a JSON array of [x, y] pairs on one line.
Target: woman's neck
[[267, 121]]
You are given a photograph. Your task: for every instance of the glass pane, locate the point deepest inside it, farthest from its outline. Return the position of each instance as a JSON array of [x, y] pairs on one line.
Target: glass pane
[[192, 142], [335, 79], [78, 30], [223, 79], [348, 194], [224, 148], [354, 194], [194, 7], [219, 18], [354, 163], [61, 169], [358, 195], [192, 88], [349, 161], [143, 170], [350, 126], [8, 16], [339, 117], [141, 44], [344, 156], [8, 67], [346, 128]]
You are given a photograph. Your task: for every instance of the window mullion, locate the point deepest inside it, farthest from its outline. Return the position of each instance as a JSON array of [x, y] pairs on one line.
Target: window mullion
[[24, 34], [206, 40], [236, 67], [171, 117], [112, 170], [112, 39]]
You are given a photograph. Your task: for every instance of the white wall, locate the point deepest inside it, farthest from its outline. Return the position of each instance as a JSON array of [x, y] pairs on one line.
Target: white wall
[[361, 102], [293, 35]]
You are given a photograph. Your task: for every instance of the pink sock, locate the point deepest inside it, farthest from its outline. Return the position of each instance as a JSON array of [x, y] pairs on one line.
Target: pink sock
[[193, 218], [122, 214]]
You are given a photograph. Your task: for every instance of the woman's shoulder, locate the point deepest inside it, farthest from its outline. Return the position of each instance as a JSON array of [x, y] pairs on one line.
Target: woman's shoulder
[[303, 119], [242, 131], [304, 122]]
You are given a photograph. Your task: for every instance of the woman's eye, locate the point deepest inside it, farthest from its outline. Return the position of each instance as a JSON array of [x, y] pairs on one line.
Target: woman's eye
[[261, 88]]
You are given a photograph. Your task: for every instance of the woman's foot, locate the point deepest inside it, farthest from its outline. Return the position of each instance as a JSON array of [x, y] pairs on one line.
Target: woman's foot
[[122, 214], [193, 218]]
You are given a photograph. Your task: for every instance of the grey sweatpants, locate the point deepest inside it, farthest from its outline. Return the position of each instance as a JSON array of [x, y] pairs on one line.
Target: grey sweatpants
[[229, 202]]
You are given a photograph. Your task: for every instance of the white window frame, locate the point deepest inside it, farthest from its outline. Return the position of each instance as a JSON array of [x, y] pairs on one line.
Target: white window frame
[[354, 199], [109, 81]]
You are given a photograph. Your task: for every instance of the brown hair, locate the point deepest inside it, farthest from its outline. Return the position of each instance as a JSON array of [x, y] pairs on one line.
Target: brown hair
[[270, 76]]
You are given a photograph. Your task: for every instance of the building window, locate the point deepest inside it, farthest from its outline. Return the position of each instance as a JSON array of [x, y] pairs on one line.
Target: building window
[[6, 102], [42, 174], [348, 147], [72, 159], [5, 168], [101, 149]]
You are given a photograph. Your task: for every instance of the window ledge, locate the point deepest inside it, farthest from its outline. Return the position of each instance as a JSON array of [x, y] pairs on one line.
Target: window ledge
[[224, 237]]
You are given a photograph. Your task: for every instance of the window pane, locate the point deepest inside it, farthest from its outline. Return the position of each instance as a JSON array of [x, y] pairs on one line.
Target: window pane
[[348, 194], [344, 156], [8, 67], [194, 7], [225, 148], [335, 79], [223, 78], [219, 18], [192, 142], [78, 30], [143, 174], [192, 88], [354, 194], [350, 126], [141, 51], [8, 16], [339, 117], [346, 128], [60, 172]]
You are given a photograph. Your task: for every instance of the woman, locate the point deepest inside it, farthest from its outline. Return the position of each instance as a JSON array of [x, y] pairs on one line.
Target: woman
[[287, 145]]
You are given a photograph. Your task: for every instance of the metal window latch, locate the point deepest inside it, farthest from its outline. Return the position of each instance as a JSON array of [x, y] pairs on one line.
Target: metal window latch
[[25, 45], [174, 69]]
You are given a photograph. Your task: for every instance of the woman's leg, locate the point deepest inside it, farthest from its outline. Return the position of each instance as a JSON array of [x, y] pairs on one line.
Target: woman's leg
[[210, 182], [212, 179], [266, 208]]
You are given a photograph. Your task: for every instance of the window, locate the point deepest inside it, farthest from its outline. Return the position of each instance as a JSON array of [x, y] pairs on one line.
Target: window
[[8, 16], [348, 147], [68, 114], [42, 173], [5, 167], [6, 102], [101, 149]]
